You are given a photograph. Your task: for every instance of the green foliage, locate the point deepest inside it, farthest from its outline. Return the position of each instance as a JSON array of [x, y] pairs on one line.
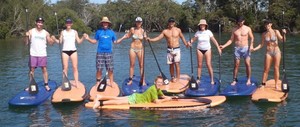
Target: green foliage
[[155, 13]]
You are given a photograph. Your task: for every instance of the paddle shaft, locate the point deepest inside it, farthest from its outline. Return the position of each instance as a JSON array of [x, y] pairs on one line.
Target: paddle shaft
[[191, 55], [219, 54], [155, 57], [27, 28], [283, 45]]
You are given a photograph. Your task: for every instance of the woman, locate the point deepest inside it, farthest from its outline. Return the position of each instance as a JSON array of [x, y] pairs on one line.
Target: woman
[[136, 47], [203, 35], [273, 54], [152, 94], [68, 37]]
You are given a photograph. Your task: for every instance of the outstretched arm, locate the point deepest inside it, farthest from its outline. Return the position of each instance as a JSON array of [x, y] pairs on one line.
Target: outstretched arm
[[93, 41], [228, 42]]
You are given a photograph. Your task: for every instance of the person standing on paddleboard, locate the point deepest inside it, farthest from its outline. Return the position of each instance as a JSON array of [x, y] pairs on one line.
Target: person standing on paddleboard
[[39, 38], [68, 38], [273, 53], [105, 37], [172, 35], [152, 94], [203, 35], [137, 34], [240, 36]]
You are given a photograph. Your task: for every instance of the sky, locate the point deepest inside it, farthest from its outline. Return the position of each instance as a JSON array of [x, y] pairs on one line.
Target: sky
[[104, 1]]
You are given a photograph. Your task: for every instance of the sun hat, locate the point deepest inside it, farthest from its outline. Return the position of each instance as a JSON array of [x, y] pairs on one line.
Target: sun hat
[[39, 19], [105, 19], [138, 19], [202, 21]]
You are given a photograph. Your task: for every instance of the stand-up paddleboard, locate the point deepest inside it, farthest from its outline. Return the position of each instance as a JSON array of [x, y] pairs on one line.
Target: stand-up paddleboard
[[268, 93], [25, 99], [134, 87], [205, 88], [76, 94], [175, 104], [110, 90], [240, 88], [176, 87]]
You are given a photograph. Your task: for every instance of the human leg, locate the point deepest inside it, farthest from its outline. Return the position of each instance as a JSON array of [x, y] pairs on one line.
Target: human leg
[[277, 59], [132, 56], [209, 66], [45, 75], [235, 71], [74, 59], [248, 70], [199, 67], [140, 56]]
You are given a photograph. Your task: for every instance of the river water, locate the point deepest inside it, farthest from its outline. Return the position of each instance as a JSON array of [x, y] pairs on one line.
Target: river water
[[239, 111]]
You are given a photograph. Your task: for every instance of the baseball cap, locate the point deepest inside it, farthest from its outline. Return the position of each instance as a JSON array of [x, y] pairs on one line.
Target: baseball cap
[[68, 20], [171, 19], [138, 19], [39, 19]]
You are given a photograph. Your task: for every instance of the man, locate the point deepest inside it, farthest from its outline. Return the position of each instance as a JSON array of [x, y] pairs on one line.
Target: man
[[38, 38], [240, 36], [172, 35], [105, 37]]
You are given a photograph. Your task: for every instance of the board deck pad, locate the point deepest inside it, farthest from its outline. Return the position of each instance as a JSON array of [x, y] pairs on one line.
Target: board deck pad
[[176, 87], [205, 88], [134, 87], [240, 88], [176, 104], [269, 93], [76, 94], [23, 98], [111, 90]]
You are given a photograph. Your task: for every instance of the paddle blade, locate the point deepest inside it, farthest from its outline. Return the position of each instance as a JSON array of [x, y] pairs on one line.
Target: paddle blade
[[102, 85], [66, 85], [193, 84], [33, 86], [284, 84], [166, 80]]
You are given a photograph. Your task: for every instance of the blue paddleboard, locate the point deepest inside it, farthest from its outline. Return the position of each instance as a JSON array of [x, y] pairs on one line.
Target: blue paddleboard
[[25, 99], [205, 88], [240, 88], [134, 87]]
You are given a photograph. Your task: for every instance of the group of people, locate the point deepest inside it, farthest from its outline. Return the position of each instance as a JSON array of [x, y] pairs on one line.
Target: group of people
[[105, 38]]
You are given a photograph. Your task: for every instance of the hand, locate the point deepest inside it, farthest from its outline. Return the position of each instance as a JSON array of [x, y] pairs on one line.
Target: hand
[[221, 47], [283, 31], [148, 39], [85, 36], [220, 51], [53, 37]]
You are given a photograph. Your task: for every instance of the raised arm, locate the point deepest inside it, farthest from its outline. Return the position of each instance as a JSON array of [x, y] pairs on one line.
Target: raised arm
[[279, 36]]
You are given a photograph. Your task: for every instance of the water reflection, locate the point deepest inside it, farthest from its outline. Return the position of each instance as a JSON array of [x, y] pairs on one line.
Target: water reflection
[[69, 113]]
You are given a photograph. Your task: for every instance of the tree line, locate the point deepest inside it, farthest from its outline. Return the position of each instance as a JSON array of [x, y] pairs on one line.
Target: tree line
[[155, 13]]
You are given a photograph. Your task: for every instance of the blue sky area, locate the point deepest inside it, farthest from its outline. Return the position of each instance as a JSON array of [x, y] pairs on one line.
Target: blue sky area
[[103, 1]]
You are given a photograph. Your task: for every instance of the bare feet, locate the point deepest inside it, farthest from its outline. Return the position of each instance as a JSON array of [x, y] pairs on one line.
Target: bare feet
[[47, 87], [234, 81], [198, 81], [248, 82], [129, 82], [174, 79], [96, 104], [212, 82]]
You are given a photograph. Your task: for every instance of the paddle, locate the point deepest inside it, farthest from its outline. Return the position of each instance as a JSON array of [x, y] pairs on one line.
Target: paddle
[[66, 85], [284, 82], [102, 85], [192, 83], [33, 86], [220, 55], [166, 81]]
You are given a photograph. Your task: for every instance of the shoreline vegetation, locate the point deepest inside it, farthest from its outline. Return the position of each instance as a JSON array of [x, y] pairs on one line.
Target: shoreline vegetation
[[86, 16]]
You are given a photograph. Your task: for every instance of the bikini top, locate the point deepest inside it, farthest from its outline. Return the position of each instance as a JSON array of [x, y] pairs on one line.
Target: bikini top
[[272, 39], [137, 37]]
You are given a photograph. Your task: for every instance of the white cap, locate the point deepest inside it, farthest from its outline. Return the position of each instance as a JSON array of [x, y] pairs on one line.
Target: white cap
[[138, 19]]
